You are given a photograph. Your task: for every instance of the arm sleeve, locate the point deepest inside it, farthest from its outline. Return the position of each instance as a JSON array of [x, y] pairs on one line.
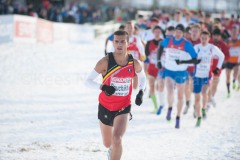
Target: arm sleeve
[[159, 54], [189, 48], [162, 44], [90, 81], [142, 80], [219, 53], [147, 52]]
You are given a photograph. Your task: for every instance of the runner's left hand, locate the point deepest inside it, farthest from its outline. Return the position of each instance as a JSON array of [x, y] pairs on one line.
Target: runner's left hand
[[139, 97]]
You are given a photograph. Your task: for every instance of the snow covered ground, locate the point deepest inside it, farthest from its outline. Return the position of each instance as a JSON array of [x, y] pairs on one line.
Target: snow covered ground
[[46, 113]]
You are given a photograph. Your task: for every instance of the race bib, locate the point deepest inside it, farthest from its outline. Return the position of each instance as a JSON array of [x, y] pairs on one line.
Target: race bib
[[203, 68], [172, 55], [122, 86], [153, 58], [234, 51]]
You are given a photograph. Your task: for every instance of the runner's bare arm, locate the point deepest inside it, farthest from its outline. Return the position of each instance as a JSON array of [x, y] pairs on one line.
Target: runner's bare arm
[[100, 68]]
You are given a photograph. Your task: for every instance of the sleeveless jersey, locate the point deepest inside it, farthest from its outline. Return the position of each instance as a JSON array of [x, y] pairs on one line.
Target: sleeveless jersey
[[174, 52], [121, 78], [153, 48], [234, 51], [133, 49]]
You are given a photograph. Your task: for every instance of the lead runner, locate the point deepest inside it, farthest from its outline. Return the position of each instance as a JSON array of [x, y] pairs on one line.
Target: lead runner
[[117, 69]]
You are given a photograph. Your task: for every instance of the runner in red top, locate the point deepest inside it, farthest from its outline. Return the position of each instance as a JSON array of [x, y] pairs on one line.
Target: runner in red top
[[151, 52], [194, 39], [118, 69], [121, 81], [217, 41]]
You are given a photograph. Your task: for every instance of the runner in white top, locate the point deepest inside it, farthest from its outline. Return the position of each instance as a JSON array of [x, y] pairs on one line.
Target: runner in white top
[[205, 52], [178, 19], [135, 47]]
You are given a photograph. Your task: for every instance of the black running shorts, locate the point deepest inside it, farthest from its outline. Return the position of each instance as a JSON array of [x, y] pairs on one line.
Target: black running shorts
[[107, 117], [231, 65]]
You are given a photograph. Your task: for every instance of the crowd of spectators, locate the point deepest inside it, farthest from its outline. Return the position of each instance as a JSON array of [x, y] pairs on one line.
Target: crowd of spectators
[[75, 12], [82, 12]]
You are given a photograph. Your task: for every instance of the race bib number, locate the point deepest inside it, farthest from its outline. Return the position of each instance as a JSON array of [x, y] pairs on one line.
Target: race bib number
[[153, 58], [203, 68], [173, 54], [122, 86], [234, 51]]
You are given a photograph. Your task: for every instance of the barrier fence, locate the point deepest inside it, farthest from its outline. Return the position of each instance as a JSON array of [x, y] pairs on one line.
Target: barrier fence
[[18, 28]]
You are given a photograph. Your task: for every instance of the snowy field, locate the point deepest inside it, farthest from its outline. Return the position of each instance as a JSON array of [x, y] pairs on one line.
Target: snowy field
[[46, 113]]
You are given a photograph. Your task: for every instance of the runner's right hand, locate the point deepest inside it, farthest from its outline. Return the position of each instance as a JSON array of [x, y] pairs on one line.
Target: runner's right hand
[[216, 71], [108, 90], [178, 61]]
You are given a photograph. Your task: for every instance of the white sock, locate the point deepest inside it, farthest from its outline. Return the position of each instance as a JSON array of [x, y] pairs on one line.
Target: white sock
[[161, 98]]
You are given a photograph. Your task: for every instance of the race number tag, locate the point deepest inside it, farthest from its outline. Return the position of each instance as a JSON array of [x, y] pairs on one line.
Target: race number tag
[[153, 57], [173, 54], [234, 51], [203, 68], [122, 85]]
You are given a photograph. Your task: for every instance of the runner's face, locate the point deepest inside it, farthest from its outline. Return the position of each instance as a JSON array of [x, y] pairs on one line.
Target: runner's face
[[177, 16], [157, 33], [178, 34], [217, 38], [120, 44], [204, 38], [234, 32], [187, 35], [195, 33], [129, 29]]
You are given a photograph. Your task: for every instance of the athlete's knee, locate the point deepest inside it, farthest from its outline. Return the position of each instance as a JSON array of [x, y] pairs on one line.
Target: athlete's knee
[[180, 95], [151, 85], [160, 87], [180, 98], [197, 100], [117, 139]]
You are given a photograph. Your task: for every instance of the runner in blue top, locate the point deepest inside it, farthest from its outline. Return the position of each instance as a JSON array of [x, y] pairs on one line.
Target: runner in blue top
[[178, 52]]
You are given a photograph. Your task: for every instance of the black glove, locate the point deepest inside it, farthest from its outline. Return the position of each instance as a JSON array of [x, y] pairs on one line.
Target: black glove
[[139, 97], [191, 61], [178, 61], [216, 71], [108, 90], [198, 61], [159, 65]]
